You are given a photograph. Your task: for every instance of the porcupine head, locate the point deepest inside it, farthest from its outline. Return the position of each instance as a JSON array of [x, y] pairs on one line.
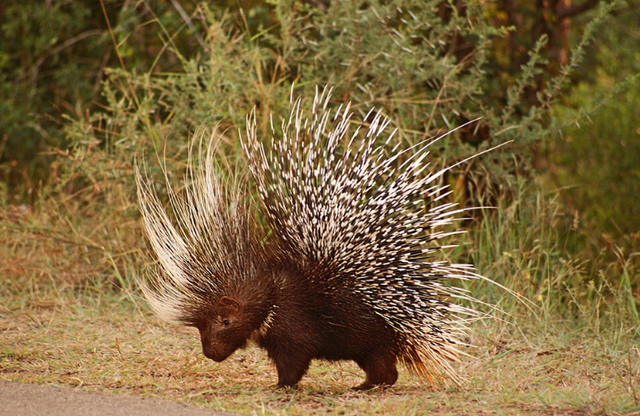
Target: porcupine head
[[208, 262], [358, 225]]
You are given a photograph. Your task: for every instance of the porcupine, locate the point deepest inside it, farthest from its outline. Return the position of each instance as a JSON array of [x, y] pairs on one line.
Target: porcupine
[[345, 270]]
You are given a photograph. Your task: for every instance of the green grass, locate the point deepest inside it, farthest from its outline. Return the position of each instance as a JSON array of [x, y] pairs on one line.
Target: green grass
[[70, 316]]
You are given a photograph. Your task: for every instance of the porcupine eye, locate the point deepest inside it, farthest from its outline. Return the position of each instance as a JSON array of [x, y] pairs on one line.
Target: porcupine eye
[[228, 309], [224, 322]]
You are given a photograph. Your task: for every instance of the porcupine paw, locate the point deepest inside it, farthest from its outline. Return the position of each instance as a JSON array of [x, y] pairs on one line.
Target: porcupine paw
[[380, 371], [286, 386], [290, 371], [288, 380]]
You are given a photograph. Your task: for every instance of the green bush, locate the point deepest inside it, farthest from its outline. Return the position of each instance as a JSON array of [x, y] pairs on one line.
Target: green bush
[[53, 59], [428, 65], [425, 64], [597, 159]]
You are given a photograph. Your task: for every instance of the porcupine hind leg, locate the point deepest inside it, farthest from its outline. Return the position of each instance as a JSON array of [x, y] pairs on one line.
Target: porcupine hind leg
[[380, 369]]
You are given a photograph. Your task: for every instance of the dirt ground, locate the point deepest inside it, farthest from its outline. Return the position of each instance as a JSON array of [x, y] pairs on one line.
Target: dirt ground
[[19, 399]]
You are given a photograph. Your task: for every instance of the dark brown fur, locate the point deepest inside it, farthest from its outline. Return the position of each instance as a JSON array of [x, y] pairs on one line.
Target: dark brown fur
[[297, 321]]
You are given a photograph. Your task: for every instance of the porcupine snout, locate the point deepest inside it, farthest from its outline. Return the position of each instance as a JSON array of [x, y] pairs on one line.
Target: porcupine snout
[[224, 329], [213, 350]]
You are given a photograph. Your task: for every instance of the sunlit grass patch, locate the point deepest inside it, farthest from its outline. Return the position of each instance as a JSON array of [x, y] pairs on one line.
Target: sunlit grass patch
[[103, 343]]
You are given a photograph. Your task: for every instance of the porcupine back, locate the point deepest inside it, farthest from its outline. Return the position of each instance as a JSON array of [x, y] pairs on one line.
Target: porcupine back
[[365, 219]]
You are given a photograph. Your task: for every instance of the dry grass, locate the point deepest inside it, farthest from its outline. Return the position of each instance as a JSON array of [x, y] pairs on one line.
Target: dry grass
[[58, 328], [103, 343]]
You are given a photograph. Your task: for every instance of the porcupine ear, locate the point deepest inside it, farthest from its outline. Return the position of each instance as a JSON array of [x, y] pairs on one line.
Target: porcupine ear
[[230, 304]]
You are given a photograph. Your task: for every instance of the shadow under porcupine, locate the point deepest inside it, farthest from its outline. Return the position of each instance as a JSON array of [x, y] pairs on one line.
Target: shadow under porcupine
[[347, 268]]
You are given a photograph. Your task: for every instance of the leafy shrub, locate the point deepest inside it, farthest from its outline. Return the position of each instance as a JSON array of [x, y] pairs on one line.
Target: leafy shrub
[[429, 65]]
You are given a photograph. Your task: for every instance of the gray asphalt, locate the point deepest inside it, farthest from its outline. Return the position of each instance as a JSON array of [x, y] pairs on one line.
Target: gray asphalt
[[18, 399]]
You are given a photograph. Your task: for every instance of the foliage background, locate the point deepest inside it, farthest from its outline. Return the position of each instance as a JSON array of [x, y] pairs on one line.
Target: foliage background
[[109, 76]]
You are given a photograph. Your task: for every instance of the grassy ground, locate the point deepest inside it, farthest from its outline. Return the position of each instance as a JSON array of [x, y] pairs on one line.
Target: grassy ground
[[60, 327]]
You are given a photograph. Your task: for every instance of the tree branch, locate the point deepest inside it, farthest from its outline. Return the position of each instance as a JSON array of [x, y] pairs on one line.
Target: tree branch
[[571, 11]]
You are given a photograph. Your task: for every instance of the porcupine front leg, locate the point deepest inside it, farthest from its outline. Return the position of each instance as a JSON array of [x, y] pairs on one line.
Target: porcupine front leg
[[291, 366], [380, 369]]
